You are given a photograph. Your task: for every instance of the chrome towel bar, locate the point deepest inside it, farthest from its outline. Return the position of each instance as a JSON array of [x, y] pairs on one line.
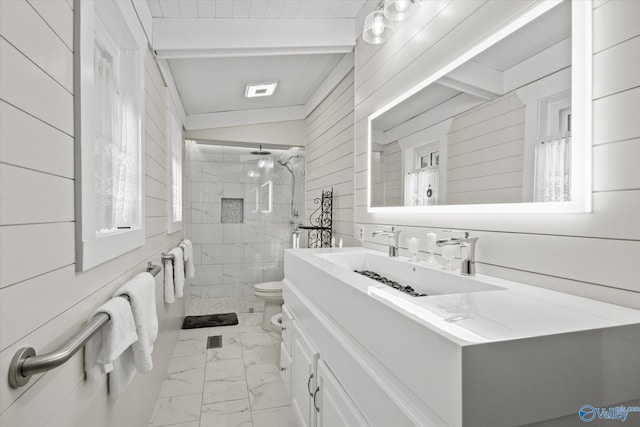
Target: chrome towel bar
[[25, 363]]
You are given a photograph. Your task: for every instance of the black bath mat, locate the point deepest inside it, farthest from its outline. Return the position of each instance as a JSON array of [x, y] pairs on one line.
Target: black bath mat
[[209, 320]]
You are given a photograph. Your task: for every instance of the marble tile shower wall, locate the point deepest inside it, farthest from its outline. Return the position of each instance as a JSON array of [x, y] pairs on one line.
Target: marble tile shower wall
[[232, 257]]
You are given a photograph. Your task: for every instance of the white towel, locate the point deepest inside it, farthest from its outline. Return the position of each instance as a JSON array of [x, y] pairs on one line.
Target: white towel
[[124, 369], [105, 351], [169, 287], [174, 276], [189, 268], [141, 291]]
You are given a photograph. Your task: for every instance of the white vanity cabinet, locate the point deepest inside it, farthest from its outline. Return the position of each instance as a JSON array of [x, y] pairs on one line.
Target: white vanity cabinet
[[401, 361]]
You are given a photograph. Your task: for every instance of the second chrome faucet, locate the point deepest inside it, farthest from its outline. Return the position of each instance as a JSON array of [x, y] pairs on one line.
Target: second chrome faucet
[[468, 263], [393, 240]]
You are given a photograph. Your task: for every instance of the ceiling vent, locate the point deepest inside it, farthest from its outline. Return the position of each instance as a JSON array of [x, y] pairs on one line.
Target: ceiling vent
[[265, 89]]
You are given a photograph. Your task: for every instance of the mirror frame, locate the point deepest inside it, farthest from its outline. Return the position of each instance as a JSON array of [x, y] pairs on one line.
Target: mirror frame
[[581, 106]]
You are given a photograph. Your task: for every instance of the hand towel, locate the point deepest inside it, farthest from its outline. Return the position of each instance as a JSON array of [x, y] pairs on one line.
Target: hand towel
[[141, 291], [174, 276], [124, 369], [189, 267], [169, 287], [178, 271], [103, 350]]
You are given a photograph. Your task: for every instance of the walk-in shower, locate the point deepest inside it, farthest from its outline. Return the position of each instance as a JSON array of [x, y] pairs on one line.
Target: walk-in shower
[[239, 209]]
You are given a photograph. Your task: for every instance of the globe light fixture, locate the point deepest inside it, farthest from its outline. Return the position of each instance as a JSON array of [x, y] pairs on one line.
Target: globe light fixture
[[399, 10], [377, 29]]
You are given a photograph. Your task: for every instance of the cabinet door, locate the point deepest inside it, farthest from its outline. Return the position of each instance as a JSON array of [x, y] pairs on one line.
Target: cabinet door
[[285, 368], [303, 381], [334, 407]]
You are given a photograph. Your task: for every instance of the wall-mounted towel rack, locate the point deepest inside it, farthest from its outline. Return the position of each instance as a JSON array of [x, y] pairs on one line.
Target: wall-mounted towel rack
[[25, 363], [165, 256]]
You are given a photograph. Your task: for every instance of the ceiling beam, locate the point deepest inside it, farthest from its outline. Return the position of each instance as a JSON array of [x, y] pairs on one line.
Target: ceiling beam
[[475, 79], [244, 117], [209, 37]]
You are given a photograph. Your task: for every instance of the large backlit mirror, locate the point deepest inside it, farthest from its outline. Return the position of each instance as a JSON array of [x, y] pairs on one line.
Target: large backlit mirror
[[505, 127]]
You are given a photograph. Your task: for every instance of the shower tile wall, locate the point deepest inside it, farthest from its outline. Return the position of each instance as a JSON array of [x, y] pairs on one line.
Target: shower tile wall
[[232, 257]]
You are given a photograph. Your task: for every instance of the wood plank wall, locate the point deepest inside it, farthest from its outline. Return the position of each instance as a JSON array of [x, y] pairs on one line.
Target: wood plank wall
[[329, 157], [43, 300], [592, 254]]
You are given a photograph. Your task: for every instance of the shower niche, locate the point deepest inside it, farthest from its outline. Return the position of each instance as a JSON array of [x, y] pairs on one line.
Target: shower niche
[[232, 211]]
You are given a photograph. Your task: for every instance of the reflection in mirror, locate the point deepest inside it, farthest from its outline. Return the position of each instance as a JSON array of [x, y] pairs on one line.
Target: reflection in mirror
[[496, 129], [265, 197]]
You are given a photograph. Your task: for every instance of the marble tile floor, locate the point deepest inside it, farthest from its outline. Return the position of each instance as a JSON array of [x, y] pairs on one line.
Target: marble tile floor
[[239, 304], [237, 385]]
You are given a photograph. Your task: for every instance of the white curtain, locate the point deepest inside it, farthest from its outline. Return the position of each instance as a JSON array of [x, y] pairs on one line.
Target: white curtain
[[116, 152], [553, 170], [422, 187], [176, 171]]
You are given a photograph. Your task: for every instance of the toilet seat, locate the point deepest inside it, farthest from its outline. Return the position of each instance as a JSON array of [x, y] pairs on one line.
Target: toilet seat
[[269, 287]]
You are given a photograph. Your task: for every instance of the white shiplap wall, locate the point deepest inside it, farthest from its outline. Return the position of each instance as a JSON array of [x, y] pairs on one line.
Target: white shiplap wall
[[43, 300], [481, 153], [591, 254], [329, 157]]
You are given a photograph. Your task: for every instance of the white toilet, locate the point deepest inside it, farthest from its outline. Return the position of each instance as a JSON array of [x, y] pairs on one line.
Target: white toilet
[[271, 294]]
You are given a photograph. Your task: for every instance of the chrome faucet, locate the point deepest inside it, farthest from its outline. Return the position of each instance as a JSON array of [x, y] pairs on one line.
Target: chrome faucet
[[468, 263], [393, 239]]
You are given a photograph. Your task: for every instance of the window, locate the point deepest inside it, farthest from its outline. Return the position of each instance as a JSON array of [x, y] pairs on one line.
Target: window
[[175, 175], [109, 108], [555, 115]]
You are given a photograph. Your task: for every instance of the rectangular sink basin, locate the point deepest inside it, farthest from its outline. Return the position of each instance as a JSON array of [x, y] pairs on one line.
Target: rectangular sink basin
[[421, 278]]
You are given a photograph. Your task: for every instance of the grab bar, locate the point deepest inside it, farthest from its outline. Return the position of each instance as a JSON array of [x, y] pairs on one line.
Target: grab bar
[[25, 363]]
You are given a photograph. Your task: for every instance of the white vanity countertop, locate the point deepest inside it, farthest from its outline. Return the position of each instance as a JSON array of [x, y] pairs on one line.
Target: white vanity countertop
[[514, 312]]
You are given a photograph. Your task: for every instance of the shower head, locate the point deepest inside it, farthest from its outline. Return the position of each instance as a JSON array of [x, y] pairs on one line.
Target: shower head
[[261, 152], [286, 164], [291, 155], [288, 160]]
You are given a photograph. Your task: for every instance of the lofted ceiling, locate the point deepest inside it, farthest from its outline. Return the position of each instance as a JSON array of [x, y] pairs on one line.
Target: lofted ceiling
[[214, 85], [213, 48]]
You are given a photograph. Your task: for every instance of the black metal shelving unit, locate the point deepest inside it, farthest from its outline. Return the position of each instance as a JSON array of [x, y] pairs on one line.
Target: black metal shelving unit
[[320, 230]]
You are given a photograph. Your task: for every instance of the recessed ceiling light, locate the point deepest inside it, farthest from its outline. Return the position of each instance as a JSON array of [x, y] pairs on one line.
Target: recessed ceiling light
[[265, 89]]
